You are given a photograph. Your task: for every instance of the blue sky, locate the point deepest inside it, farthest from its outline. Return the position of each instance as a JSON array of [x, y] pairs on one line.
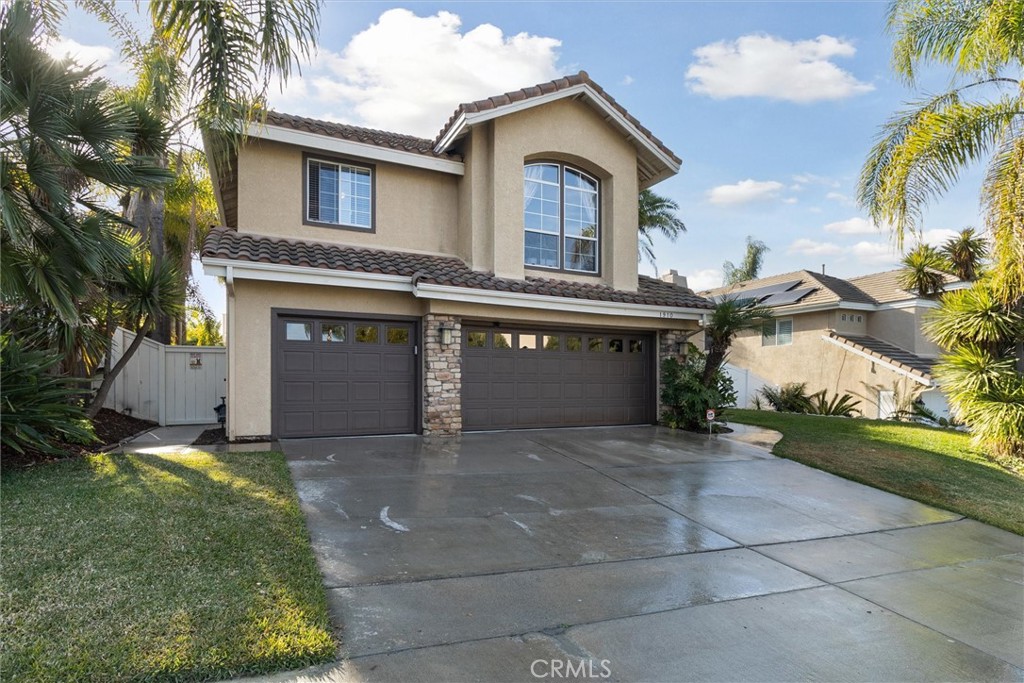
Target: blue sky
[[772, 106]]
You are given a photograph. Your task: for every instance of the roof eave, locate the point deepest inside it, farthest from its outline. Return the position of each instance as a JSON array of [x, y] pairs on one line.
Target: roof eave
[[664, 164]]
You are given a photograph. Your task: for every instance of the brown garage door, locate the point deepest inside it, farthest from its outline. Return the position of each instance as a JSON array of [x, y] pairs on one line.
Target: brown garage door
[[341, 377], [534, 378]]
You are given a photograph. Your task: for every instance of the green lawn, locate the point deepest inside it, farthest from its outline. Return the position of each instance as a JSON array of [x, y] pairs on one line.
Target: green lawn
[[157, 567], [934, 466]]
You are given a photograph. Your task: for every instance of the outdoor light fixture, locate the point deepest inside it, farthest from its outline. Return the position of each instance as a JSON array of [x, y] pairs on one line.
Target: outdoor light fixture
[[447, 332]]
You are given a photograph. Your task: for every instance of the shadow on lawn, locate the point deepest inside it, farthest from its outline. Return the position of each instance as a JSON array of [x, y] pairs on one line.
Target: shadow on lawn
[[180, 567]]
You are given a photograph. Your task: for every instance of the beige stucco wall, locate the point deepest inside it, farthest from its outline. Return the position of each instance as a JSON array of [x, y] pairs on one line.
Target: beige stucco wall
[[819, 363], [564, 130], [416, 209], [249, 351], [904, 328]]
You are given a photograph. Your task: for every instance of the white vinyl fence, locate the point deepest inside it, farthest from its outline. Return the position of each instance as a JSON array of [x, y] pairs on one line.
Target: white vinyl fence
[[172, 385], [746, 383]]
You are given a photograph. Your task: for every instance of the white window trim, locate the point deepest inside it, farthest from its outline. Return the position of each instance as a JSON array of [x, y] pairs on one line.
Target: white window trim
[[339, 165], [775, 337], [563, 168]]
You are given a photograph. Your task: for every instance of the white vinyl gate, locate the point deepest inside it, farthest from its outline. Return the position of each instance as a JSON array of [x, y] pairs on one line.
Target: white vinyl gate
[[172, 385]]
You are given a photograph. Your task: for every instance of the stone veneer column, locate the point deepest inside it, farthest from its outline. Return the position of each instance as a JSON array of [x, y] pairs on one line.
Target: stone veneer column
[[668, 342], [442, 377]]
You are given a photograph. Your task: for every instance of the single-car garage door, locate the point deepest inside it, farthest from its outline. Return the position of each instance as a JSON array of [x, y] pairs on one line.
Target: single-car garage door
[[515, 379], [341, 377]]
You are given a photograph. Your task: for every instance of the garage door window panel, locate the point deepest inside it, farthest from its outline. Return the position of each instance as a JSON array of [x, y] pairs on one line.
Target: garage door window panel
[[298, 331], [502, 340], [333, 333], [398, 335], [367, 334]]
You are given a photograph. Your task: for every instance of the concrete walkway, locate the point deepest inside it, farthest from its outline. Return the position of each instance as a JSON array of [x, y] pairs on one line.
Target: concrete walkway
[[641, 554], [165, 439]]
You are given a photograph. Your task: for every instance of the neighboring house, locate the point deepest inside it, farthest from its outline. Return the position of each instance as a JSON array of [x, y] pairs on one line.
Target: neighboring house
[[861, 336], [487, 279]]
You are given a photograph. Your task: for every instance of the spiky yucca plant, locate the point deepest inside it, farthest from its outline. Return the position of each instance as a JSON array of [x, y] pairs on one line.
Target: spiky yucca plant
[[923, 270]]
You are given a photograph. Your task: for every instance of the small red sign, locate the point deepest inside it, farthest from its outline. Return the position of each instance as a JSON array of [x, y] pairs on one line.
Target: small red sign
[[711, 416]]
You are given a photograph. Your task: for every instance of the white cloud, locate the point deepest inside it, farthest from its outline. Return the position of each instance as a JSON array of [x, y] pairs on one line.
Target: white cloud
[[744, 192], [790, 200], [407, 73], [707, 278], [813, 179], [760, 65], [875, 253], [839, 198], [627, 80], [937, 236], [90, 55], [852, 226], [808, 247]]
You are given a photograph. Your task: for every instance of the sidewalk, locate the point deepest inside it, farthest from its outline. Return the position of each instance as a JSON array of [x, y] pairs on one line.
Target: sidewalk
[[166, 440], [178, 439]]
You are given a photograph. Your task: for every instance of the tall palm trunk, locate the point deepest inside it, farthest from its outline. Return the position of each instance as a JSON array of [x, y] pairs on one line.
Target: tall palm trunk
[[146, 212]]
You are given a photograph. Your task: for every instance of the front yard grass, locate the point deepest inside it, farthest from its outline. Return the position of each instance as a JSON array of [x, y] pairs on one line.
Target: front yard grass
[[187, 567], [939, 467]]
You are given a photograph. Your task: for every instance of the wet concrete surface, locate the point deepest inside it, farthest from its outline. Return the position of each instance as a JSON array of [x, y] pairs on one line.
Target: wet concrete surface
[[666, 556]]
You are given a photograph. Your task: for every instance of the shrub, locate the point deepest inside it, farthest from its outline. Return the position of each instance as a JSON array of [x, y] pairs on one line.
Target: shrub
[[36, 406], [685, 397], [789, 398], [841, 405]]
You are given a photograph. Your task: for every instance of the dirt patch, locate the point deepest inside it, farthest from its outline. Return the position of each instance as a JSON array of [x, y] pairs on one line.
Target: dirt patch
[[111, 428], [211, 437]]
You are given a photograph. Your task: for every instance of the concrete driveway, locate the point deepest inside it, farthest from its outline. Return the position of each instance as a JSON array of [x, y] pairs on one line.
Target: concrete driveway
[[639, 554]]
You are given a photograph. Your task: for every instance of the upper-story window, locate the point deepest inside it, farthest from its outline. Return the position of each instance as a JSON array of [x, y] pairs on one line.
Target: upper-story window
[[339, 194], [560, 217], [777, 332]]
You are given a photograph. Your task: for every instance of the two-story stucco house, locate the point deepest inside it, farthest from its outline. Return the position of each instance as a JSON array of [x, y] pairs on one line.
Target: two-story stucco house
[[861, 336], [379, 283]]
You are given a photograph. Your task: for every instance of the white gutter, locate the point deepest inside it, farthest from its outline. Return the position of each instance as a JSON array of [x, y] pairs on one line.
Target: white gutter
[[329, 143], [875, 359], [557, 303], [304, 275], [274, 272]]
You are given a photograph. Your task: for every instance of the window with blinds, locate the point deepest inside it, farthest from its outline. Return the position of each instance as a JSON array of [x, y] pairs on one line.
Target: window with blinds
[[339, 194]]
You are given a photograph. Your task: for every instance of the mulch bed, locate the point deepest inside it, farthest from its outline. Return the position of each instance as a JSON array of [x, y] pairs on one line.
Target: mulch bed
[[110, 427], [211, 437]]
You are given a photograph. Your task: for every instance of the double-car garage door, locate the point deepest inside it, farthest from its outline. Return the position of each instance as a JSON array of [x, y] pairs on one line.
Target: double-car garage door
[[517, 379], [353, 376]]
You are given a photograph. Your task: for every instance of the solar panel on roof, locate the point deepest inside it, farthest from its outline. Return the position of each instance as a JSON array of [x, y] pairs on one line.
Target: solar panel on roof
[[766, 290], [792, 297]]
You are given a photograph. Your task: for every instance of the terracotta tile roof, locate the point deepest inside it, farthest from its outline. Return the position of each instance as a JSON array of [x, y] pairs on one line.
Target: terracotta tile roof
[[911, 363], [441, 270], [369, 136], [885, 287], [828, 289], [545, 89]]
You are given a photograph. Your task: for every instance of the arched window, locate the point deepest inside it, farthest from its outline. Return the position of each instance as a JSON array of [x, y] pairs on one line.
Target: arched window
[[560, 218]]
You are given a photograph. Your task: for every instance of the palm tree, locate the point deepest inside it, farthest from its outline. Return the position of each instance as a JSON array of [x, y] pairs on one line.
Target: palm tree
[[965, 254], [977, 372], [728, 318], [144, 290], [657, 214], [205, 64], [749, 269], [64, 143], [922, 150], [923, 270]]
